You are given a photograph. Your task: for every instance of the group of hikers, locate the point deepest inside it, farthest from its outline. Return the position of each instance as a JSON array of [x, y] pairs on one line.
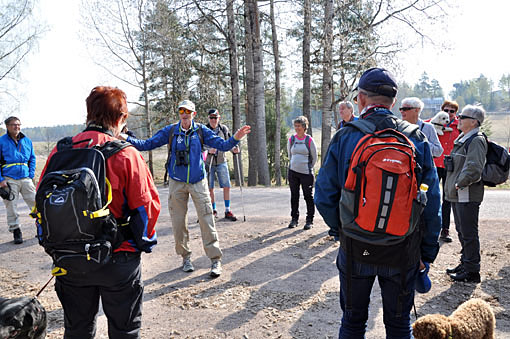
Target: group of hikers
[[377, 190]]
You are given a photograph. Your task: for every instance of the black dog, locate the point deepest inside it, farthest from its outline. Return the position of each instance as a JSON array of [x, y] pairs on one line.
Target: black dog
[[23, 317]]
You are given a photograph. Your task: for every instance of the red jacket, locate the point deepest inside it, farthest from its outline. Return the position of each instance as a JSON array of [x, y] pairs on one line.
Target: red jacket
[[446, 141], [133, 192]]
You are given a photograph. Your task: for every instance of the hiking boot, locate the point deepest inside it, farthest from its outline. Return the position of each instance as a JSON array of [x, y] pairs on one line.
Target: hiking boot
[[445, 235], [230, 216], [187, 266], [308, 225], [293, 223], [456, 269], [18, 238], [466, 276], [215, 269]]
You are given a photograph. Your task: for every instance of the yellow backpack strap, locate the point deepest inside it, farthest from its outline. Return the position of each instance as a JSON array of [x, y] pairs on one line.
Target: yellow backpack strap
[[103, 211], [58, 271]]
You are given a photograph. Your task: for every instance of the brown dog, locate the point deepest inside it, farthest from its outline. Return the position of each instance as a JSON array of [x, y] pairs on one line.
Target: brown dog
[[473, 319]]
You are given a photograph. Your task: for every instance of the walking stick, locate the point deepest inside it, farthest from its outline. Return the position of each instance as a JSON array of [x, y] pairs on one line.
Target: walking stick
[[240, 182]]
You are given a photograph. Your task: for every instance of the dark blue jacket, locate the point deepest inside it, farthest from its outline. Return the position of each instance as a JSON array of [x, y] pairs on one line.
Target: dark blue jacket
[[333, 173], [181, 141], [17, 159]]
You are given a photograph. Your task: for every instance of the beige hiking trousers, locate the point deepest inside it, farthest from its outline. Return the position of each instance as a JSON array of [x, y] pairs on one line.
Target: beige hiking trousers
[[178, 195], [24, 186]]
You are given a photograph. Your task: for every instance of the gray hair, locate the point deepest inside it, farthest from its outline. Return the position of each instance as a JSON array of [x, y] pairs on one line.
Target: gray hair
[[474, 111], [346, 103], [301, 120], [413, 102]]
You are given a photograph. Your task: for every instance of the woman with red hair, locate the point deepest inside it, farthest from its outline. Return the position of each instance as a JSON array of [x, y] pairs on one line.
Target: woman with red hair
[[118, 283]]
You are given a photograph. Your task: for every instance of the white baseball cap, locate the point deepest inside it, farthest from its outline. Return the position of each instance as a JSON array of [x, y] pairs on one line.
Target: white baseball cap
[[188, 104]]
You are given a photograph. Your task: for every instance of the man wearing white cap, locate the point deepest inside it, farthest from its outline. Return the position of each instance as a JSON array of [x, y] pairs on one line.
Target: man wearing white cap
[[186, 171]]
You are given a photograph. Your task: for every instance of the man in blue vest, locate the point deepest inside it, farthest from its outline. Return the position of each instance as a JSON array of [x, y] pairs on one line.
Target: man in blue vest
[[17, 159]]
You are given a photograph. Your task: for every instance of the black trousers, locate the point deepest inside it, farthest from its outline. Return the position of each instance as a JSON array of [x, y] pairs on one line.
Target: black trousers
[[465, 215], [120, 288], [306, 182], [446, 206]]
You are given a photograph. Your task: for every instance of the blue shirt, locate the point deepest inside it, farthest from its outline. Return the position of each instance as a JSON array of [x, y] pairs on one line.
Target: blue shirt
[[189, 143]]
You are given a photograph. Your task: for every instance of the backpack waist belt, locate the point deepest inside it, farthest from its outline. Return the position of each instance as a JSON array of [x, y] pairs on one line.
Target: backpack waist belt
[[15, 164]]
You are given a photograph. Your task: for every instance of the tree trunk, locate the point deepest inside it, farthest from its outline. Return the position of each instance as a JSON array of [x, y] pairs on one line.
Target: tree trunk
[[259, 99], [250, 90], [327, 77], [277, 135], [234, 82], [147, 116], [306, 62]]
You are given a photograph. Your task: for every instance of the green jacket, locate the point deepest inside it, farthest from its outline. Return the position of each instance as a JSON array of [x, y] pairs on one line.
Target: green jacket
[[467, 169]]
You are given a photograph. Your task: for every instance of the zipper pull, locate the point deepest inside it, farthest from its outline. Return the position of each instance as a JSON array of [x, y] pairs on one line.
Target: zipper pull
[[87, 247]]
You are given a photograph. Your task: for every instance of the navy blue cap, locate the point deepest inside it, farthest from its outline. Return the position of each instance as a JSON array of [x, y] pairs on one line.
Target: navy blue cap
[[378, 80], [423, 283]]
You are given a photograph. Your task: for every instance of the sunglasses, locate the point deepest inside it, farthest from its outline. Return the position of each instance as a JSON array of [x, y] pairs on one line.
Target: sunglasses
[[184, 111], [462, 117], [449, 110], [406, 108], [213, 118]]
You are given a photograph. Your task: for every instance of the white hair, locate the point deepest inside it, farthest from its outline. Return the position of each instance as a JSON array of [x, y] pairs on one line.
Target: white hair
[[413, 102], [346, 103]]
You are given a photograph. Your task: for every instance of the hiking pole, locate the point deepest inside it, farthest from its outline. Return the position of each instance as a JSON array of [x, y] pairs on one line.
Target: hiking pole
[[240, 181]]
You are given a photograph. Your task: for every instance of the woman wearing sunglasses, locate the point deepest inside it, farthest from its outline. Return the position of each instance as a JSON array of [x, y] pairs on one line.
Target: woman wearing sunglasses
[[446, 140], [464, 189]]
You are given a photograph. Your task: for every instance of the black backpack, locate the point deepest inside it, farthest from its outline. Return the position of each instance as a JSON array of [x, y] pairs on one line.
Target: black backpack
[[497, 165], [23, 318], [74, 225]]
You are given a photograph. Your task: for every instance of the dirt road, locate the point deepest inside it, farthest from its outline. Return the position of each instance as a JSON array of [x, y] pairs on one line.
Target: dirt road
[[277, 282]]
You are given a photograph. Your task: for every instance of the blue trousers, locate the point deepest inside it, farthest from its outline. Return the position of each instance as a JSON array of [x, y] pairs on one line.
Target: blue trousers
[[397, 302]]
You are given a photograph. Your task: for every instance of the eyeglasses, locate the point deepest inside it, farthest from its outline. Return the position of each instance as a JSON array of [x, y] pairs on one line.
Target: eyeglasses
[[213, 118], [15, 125], [449, 110], [462, 117], [406, 108], [183, 110]]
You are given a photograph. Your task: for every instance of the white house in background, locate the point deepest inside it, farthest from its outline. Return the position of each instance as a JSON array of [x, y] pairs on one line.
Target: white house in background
[[431, 107]]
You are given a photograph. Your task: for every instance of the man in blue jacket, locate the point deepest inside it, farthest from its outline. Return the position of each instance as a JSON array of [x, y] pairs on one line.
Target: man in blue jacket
[[17, 160], [376, 96], [187, 176]]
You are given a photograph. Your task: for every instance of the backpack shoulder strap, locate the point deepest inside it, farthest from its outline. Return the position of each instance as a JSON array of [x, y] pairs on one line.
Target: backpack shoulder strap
[[110, 148], [362, 125], [67, 143], [468, 141], [224, 130], [409, 129], [170, 137], [200, 132]]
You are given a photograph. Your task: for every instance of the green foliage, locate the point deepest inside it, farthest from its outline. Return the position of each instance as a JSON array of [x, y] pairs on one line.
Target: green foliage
[[486, 126], [477, 90]]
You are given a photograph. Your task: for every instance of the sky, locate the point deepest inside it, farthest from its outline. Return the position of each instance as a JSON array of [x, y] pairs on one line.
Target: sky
[[59, 75]]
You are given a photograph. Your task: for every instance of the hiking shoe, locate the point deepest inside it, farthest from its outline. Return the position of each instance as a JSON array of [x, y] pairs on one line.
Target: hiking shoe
[[215, 269], [466, 276], [230, 216], [457, 269], [445, 235], [308, 225], [187, 266], [293, 223], [18, 237]]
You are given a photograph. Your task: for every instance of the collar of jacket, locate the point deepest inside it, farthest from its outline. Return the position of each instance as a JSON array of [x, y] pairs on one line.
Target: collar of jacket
[[463, 137]]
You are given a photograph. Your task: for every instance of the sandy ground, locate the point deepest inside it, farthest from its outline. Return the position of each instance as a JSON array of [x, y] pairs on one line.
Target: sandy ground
[[277, 282]]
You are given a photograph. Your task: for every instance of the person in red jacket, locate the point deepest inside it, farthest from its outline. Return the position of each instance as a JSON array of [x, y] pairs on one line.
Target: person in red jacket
[[118, 284], [446, 140]]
